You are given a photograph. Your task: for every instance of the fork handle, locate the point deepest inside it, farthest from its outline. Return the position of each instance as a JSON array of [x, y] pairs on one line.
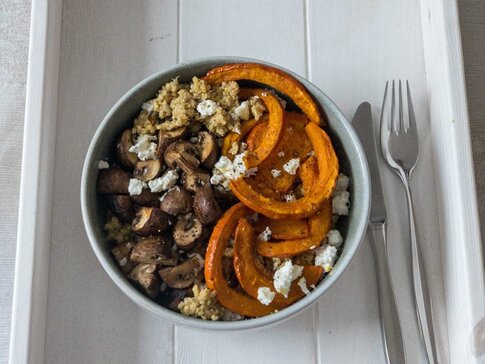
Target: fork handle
[[390, 325], [422, 296]]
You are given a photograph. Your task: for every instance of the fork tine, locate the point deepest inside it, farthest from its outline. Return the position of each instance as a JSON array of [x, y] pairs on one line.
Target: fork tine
[[385, 123], [393, 107], [412, 118], [401, 118]]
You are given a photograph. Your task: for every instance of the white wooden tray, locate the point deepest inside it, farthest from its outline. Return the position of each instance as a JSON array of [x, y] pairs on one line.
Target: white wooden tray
[[85, 54]]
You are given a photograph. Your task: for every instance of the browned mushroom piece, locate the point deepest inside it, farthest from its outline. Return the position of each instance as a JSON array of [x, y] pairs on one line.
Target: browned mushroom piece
[[154, 250], [208, 149], [194, 128], [206, 208], [122, 207], [224, 197], [113, 181], [183, 275], [176, 201], [121, 253], [182, 154], [145, 277], [150, 221], [146, 198], [186, 231], [172, 297], [195, 180], [126, 158], [167, 137], [148, 170]]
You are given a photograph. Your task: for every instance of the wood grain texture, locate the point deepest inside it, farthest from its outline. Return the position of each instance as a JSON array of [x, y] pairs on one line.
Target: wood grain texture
[[100, 60], [14, 42], [265, 37]]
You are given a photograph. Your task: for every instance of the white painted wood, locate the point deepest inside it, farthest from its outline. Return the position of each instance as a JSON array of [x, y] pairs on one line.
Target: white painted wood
[[35, 207], [266, 37], [463, 259], [348, 48], [107, 47], [351, 61]]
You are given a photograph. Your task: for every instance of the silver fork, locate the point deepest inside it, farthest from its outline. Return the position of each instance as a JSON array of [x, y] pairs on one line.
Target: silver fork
[[399, 145]]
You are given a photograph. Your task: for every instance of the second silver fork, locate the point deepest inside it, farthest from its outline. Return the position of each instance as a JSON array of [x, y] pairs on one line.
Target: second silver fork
[[400, 148]]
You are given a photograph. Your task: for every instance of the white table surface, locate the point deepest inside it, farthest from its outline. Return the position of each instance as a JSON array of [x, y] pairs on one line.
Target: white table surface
[[14, 38]]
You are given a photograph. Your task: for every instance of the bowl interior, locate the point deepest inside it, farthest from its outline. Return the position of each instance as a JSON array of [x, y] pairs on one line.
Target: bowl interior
[[348, 148]]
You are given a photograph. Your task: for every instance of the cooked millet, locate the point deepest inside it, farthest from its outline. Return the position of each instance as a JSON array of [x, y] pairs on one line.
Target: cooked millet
[[204, 304]]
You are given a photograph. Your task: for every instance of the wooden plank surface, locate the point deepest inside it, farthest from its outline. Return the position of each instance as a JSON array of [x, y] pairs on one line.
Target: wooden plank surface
[[87, 50]]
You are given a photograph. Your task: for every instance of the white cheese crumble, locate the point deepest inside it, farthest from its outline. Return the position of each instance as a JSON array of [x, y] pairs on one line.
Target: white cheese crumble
[[147, 106], [225, 170], [136, 186], [103, 165], [207, 108], [165, 182], [342, 183], [284, 275], [123, 262], [242, 111], [292, 165], [290, 197], [340, 203], [281, 154], [266, 234], [303, 286], [265, 295], [326, 256], [334, 238], [276, 263], [144, 147], [276, 173]]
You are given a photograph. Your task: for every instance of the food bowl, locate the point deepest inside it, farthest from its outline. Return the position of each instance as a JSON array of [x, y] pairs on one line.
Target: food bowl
[[346, 143]]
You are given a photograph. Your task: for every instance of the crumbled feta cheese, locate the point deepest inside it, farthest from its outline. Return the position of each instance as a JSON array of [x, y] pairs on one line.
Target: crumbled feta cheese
[[266, 234], [276, 173], [165, 182], [234, 148], [103, 165], [290, 197], [281, 154], [136, 186], [302, 285], [284, 275], [326, 256], [242, 111], [123, 262], [225, 170], [147, 106], [265, 295], [342, 183], [312, 286], [144, 147], [340, 203], [207, 108], [334, 238], [292, 165], [239, 167]]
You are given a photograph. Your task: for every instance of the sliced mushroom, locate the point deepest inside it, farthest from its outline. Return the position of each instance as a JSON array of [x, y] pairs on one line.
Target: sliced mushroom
[[121, 253], [195, 180], [144, 276], [183, 275], [176, 201], [186, 231], [150, 221], [122, 207], [154, 250], [208, 149], [113, 181], [206, 208], [126, 158], [182, 154], [173, 297], [146, 198], [148, 170], [167, 137]]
